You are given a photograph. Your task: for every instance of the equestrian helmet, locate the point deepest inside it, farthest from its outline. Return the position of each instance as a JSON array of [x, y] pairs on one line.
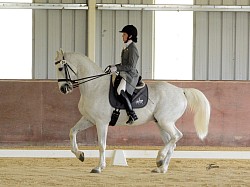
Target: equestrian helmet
[[131, 31]]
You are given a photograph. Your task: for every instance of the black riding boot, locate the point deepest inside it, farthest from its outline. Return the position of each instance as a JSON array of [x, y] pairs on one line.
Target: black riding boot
[[128, 106]]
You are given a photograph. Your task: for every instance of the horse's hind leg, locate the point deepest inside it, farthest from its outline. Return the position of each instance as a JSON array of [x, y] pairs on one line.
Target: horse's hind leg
[[170, 135], [163, 152], [82, 124]]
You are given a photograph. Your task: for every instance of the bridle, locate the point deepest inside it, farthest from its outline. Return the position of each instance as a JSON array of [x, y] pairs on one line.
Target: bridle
[[75, 82], [66, 68]]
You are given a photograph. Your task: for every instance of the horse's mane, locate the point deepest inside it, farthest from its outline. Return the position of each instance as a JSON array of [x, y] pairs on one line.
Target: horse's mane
[[83, 62]]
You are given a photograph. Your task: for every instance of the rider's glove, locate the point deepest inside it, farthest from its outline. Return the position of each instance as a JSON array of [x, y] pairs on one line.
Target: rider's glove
[[110, 69]]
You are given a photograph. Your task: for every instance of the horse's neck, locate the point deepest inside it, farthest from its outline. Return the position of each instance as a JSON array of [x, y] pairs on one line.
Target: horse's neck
[[87, 68]]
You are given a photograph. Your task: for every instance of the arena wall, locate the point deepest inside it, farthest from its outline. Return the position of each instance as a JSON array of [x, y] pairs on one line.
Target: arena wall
[[36, 113]]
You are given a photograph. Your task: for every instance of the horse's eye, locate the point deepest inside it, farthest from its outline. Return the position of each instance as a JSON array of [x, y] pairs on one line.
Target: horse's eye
[[60, 69]]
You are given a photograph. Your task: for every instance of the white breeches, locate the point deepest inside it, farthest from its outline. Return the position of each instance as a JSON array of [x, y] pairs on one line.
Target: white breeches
[[122, 86]]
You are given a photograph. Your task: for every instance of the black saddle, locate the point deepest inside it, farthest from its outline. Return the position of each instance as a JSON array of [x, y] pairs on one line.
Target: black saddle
[[139, 98]]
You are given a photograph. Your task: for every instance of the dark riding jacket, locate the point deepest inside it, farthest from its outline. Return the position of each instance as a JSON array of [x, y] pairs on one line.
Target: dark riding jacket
[[127, 67]]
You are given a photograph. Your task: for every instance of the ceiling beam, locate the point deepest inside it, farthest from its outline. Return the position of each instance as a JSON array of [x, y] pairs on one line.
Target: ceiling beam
[[46, 6], [141, 7], [167, 7]]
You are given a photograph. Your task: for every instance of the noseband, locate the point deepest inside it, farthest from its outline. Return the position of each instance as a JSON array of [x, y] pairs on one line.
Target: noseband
[[75, 82]]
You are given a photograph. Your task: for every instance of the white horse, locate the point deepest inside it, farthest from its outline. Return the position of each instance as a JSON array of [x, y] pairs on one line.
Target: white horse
[[167, 104]]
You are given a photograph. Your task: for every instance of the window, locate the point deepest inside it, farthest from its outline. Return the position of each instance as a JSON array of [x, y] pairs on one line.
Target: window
[[16, 42], [173, 42]]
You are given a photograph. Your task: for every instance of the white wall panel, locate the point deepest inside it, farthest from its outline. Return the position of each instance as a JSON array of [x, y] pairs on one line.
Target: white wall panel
[[54, 29], [214, 48], [228, 46], [68, 28], [147, 38], [242, 43], [54, 24], [201, 46], [80, 29], [107, 40], [40, 52], [221, 42]]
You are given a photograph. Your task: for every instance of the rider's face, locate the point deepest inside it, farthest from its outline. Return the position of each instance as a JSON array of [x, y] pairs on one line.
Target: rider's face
[[124, 37]]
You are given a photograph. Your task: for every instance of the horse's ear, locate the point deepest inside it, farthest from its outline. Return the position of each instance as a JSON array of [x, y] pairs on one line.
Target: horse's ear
[[57, 56], [61, 50]]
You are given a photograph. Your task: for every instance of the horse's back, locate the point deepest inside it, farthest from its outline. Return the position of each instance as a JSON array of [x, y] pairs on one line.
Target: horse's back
[[169, 100], [162, 88]]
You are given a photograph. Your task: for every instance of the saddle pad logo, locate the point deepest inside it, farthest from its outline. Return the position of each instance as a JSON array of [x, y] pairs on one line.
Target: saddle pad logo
[[139, 101]]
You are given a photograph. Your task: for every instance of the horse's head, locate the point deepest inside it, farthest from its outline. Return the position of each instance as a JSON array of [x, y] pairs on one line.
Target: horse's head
[[65, 72]]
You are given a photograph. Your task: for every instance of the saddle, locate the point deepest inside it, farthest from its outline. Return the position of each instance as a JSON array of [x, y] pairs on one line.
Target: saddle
[[139, 99]]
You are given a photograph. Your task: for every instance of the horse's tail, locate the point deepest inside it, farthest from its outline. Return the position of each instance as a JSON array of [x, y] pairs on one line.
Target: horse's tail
[[200, 106]]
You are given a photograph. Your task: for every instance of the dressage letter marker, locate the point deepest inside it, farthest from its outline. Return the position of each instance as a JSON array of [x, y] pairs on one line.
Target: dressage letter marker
[[119, 158]]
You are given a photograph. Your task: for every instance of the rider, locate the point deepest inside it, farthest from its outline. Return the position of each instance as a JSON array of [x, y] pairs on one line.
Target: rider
[[127, 69]]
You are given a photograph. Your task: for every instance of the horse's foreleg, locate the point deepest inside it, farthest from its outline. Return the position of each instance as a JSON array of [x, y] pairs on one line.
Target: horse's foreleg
[[102, 131], [82, 124]]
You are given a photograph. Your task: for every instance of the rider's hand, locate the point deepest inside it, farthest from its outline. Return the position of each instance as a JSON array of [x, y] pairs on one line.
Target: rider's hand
[[110, 69]]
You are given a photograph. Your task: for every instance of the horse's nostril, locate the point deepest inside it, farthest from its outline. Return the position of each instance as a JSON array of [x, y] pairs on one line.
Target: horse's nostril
[[63, 89]]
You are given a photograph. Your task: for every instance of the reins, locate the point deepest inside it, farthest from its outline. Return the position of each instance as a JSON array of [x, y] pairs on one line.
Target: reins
[[90, 78], [76, 82]]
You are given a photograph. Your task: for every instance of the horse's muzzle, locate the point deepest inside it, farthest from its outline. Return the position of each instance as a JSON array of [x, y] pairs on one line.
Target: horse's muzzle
[[66, 88]]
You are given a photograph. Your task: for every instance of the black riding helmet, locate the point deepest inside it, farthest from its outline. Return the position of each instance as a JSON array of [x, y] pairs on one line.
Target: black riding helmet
[[131, 31]]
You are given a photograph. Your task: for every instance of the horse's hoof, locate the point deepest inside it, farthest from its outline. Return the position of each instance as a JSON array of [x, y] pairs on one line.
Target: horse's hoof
[[159, 163], [158, 170], [81, 157], [155, 171], [95, 171]]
